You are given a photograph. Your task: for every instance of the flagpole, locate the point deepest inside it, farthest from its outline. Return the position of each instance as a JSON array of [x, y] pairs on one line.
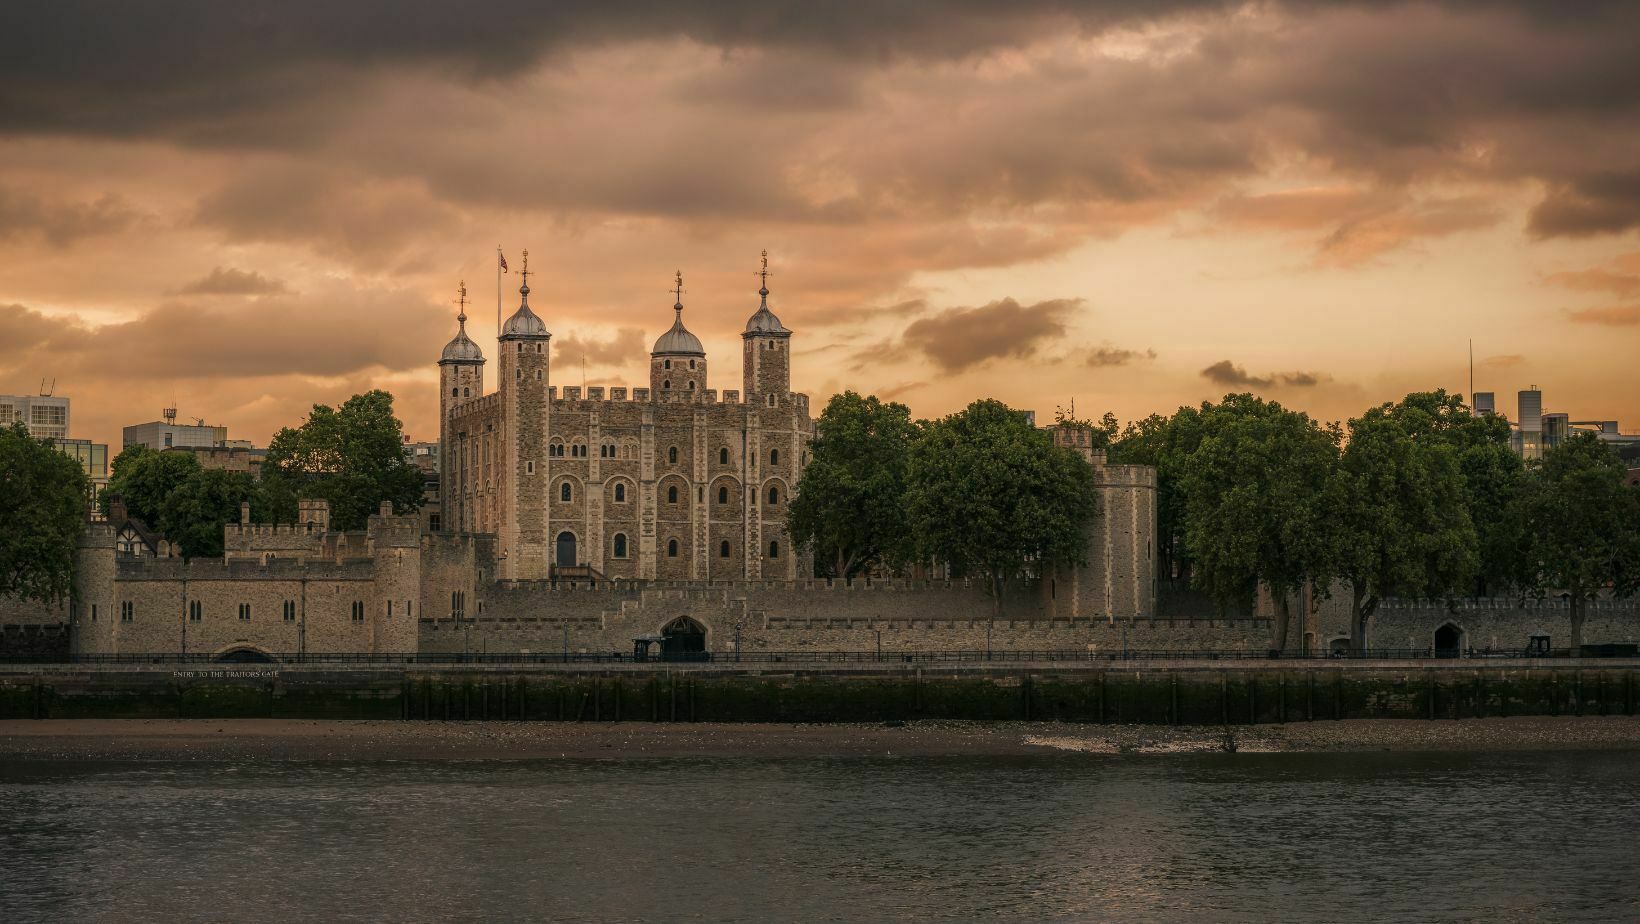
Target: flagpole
[[498, 292]]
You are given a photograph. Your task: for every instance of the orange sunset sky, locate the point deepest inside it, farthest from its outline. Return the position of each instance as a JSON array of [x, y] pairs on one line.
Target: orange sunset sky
[[251, 207]]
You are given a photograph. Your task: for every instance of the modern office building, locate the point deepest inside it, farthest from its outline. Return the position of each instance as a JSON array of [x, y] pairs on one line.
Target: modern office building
[[1485, 403], [45, 416], [93, 458]]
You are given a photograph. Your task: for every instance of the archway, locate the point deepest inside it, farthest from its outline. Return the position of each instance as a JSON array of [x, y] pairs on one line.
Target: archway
[[245, 656], [565, 557], [683, 639], [1448, 641]]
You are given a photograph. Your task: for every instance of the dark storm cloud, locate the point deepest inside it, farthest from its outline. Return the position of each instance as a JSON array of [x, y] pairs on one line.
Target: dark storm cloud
[[1224, 372], [230, 281], [1112, 356], [24, 214], [964, 337]]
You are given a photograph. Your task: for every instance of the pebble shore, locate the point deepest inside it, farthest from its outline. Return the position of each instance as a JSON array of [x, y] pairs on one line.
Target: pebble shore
[[274, 739]]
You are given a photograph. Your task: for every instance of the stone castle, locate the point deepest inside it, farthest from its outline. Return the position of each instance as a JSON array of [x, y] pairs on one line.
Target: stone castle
[[583, 523]]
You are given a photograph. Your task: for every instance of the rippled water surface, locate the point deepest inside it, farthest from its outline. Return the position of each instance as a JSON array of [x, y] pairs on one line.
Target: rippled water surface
[[1242, 837]]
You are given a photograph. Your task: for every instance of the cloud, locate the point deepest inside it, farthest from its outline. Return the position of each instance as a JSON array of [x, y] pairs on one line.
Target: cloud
[[1224, 372], [61, 223], [1612, 316], [625, 346], [1357, 224], [230, 281], [1112, 356], [1622, 280], [963, 337]]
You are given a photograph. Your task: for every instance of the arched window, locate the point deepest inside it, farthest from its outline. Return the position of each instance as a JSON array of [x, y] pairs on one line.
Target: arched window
[[672, 455], [723, 456], [691, 384], [466, 392], [666, 364], [691, 364], [723, 549], [565, 493], [666, 384], [774, 550], [671, 548], [723, 495], [620, 545], [774, 457], [672, 494], [620, 494], [774, 494], [455, 392]]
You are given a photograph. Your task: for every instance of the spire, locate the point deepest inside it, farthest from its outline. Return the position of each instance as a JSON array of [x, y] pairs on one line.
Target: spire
[[678, 340], [764, 321], [677, 292], [763, 275], [524, 322], [461, 348], [461, 315], [524, 290]]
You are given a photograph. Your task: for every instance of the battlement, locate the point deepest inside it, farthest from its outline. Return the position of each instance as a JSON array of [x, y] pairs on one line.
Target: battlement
[[575, 397], [272, 569]]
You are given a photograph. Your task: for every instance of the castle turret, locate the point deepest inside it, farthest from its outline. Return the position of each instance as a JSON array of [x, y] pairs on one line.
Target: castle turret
[[460, 379], [678, 362], [525, 409], [767, 361]]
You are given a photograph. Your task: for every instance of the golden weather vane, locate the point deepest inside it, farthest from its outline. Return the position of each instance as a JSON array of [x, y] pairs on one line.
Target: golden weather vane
[[525, 272], [763, 274], [462, 301], [677, 290]]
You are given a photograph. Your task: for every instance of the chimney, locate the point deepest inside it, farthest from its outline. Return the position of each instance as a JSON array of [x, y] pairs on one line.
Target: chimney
[[116, 510], [244, 513], [387, 509]]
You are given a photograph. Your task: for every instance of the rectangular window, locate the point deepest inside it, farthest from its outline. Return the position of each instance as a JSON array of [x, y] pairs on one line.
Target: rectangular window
[[194, 612], [358, 611], [93, 612], [290, 611], [128, 610], [244, 612]]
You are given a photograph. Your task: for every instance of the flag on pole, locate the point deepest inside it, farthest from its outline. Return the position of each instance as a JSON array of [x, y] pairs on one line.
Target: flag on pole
[[503, 259]]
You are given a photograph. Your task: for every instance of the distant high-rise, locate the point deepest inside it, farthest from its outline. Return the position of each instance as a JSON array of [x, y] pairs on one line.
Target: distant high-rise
[[1485, 403], [1529, 436], [45, 416]]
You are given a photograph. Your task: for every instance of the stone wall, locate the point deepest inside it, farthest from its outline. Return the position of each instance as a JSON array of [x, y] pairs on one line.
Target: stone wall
[[1494, 623]]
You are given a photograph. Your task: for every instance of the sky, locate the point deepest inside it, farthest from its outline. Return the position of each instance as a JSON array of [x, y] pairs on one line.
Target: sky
[[243, 209]]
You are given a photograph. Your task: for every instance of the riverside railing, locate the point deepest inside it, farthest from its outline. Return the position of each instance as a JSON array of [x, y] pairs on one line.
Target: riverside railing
[[1071, 655]]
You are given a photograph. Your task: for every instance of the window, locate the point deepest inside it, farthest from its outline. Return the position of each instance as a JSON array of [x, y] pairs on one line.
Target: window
[[565, 493], [620, 494], [620, 545], [723, 456], [672, 494], [289, 611], [771, 400], [666, 385], [244, 612], [671, 548], [774, 494], [672, 455], [555, 450], [691, 385], [774, 550], [723, 549], [774, 457], [195, 614], [455, 392], [666, 364], [432, 522], [128, 611], [1538, 646], [723, 495], [466, 392], [93, 612], [358, 611], [691, 364], [529, 468], [606, 451]]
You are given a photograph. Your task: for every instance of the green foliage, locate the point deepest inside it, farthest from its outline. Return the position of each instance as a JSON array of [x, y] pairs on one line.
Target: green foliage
[[1584, 524], [1104, 432], [849, 507], [994, 496], [144, 477], [1260, 502], [195, 511], [1405, 517], [42, 506], [352, 456]]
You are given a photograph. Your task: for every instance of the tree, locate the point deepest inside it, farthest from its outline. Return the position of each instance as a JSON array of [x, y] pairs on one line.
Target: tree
[[195, 511], [1584, 524], [1260, 503], [849, 506], [43, 505], [994, 496], [144, 477], [1405, 519], [352, 456]]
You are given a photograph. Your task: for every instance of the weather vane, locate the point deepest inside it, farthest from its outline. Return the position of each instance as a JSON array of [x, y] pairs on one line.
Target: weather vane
[[677, 290], [763, 274], [462, 301], [525, 272]]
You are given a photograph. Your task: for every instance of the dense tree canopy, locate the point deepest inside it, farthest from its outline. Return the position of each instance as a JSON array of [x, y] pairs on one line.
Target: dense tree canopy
[[43, 498], [352, 456], [1164, 443], [1585, 526], [994, 496], [1261, 503], [1405, 519], [850, 504], [143, 478], [196, 510]]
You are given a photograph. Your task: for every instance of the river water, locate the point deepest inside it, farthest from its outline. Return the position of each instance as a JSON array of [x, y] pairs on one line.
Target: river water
[[1222, 837]]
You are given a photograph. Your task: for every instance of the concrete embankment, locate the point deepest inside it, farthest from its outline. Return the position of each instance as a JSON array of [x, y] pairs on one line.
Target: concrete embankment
[[1155, 693]]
